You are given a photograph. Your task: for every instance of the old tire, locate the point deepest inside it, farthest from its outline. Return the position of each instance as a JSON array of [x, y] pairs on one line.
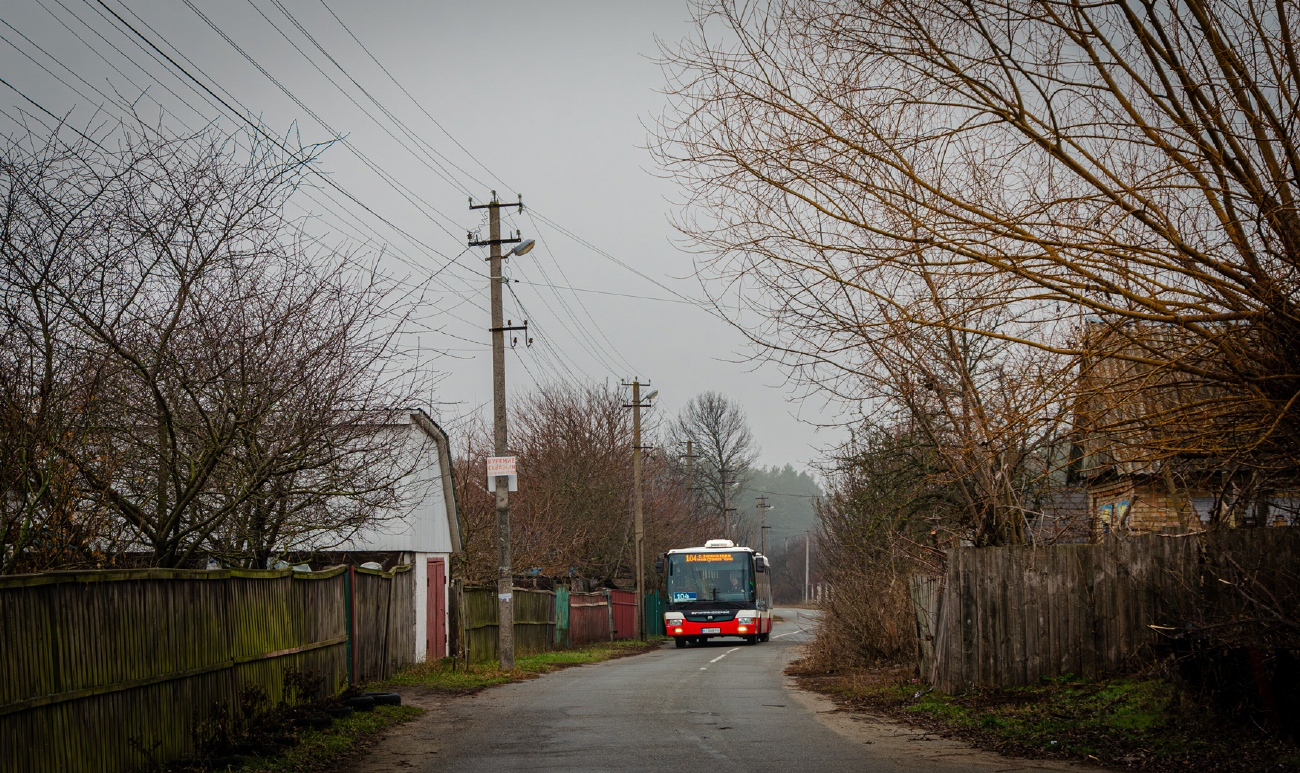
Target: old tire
[[385, 698], [315, 723]]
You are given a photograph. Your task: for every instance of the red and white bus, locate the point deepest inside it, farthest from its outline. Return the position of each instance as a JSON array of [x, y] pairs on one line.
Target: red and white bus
[[717, 590]]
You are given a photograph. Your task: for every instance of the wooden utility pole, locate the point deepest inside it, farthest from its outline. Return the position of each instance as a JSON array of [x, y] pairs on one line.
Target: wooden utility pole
[[637, 498], [727, 510], [761, 508], [638, 501], [805, 567], [505, 575], [690, 469]]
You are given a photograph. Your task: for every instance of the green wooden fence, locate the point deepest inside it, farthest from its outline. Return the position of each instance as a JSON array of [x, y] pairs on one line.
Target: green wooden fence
[[100, 665], [654, 614], [534, 622], [544, 620], [561, 617]]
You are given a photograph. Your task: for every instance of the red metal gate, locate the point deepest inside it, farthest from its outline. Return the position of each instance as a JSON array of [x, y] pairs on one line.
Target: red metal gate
[[624, 607], [436, 630]]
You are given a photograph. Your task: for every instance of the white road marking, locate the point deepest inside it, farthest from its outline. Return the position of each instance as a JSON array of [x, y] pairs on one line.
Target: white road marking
[[723, 655], [790, 633]]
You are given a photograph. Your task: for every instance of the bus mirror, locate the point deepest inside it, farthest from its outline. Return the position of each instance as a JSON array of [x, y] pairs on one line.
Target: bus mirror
[[761, 564], [659, 564]]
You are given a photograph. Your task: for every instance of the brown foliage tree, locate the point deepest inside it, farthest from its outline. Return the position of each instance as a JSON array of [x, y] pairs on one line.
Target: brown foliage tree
[[572, 515], [1037, 163]]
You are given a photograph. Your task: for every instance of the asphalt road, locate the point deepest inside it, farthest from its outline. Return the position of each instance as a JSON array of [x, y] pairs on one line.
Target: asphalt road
[[720, 707]]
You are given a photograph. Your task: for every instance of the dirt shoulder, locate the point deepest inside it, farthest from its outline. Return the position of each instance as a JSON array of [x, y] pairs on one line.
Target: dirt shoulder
[[1121, 724], [909, 744]]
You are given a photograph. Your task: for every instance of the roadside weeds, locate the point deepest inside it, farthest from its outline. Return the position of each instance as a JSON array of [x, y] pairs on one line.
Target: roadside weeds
[[319, 750], [1130, 723], [457, 677], [330, 748]]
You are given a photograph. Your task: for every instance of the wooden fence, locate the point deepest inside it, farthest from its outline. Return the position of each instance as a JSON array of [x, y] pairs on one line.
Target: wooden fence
[[562, 640], [623, 610], [589, 618], [534, 622], [1010, 616], [548, 620], [384, 628], [99, 666]]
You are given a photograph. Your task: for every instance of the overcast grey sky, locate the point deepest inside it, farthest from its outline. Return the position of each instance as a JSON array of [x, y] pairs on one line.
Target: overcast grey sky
[[554, 98]]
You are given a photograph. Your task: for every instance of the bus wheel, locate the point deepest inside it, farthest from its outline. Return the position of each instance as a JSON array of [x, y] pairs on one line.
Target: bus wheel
[[751, 639], [765, 636], [680, 643]]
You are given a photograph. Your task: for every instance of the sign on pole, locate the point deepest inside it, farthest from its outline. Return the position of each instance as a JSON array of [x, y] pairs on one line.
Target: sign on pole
[[502, 465]]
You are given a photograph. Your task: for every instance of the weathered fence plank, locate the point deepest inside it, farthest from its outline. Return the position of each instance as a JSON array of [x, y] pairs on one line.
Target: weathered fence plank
[[385, 621], [1011, 616]]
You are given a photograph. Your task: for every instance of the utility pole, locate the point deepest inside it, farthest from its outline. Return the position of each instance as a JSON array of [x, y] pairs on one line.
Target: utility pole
[[691, 456], [761, 508], [638, 500], [727, 510], [505, 576], [805, 567]]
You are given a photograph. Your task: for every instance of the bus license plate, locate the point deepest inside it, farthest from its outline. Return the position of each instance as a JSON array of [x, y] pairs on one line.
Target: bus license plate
[[710, 630]]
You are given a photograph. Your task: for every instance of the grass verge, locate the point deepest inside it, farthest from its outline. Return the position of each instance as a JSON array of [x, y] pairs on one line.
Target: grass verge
[[450, 675], [1138, 724], [321, 750]]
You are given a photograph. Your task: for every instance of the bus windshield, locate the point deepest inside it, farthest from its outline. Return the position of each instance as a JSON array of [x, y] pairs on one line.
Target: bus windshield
[[712, 576]]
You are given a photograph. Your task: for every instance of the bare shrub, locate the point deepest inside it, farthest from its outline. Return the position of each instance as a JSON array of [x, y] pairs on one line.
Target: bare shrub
[[880, 521]]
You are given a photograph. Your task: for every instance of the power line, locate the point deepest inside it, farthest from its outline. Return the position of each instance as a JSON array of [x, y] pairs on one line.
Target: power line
[[411, 197], [257, 127], [603, 352], [108, 100], [434, 167], [417, 104], [616, 261], [602, 292]]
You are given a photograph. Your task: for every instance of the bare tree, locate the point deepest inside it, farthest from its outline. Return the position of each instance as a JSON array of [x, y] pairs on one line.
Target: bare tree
[[720, 435], [213, 386], [572, 515], [48, 377], [1050, 161], [319, 458]]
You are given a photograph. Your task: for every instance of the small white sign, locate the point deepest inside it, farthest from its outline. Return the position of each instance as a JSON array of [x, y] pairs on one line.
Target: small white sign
[[501, 465]]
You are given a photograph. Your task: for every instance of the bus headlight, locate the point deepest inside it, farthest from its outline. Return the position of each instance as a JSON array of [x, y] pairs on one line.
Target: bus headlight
[[745, 620]]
